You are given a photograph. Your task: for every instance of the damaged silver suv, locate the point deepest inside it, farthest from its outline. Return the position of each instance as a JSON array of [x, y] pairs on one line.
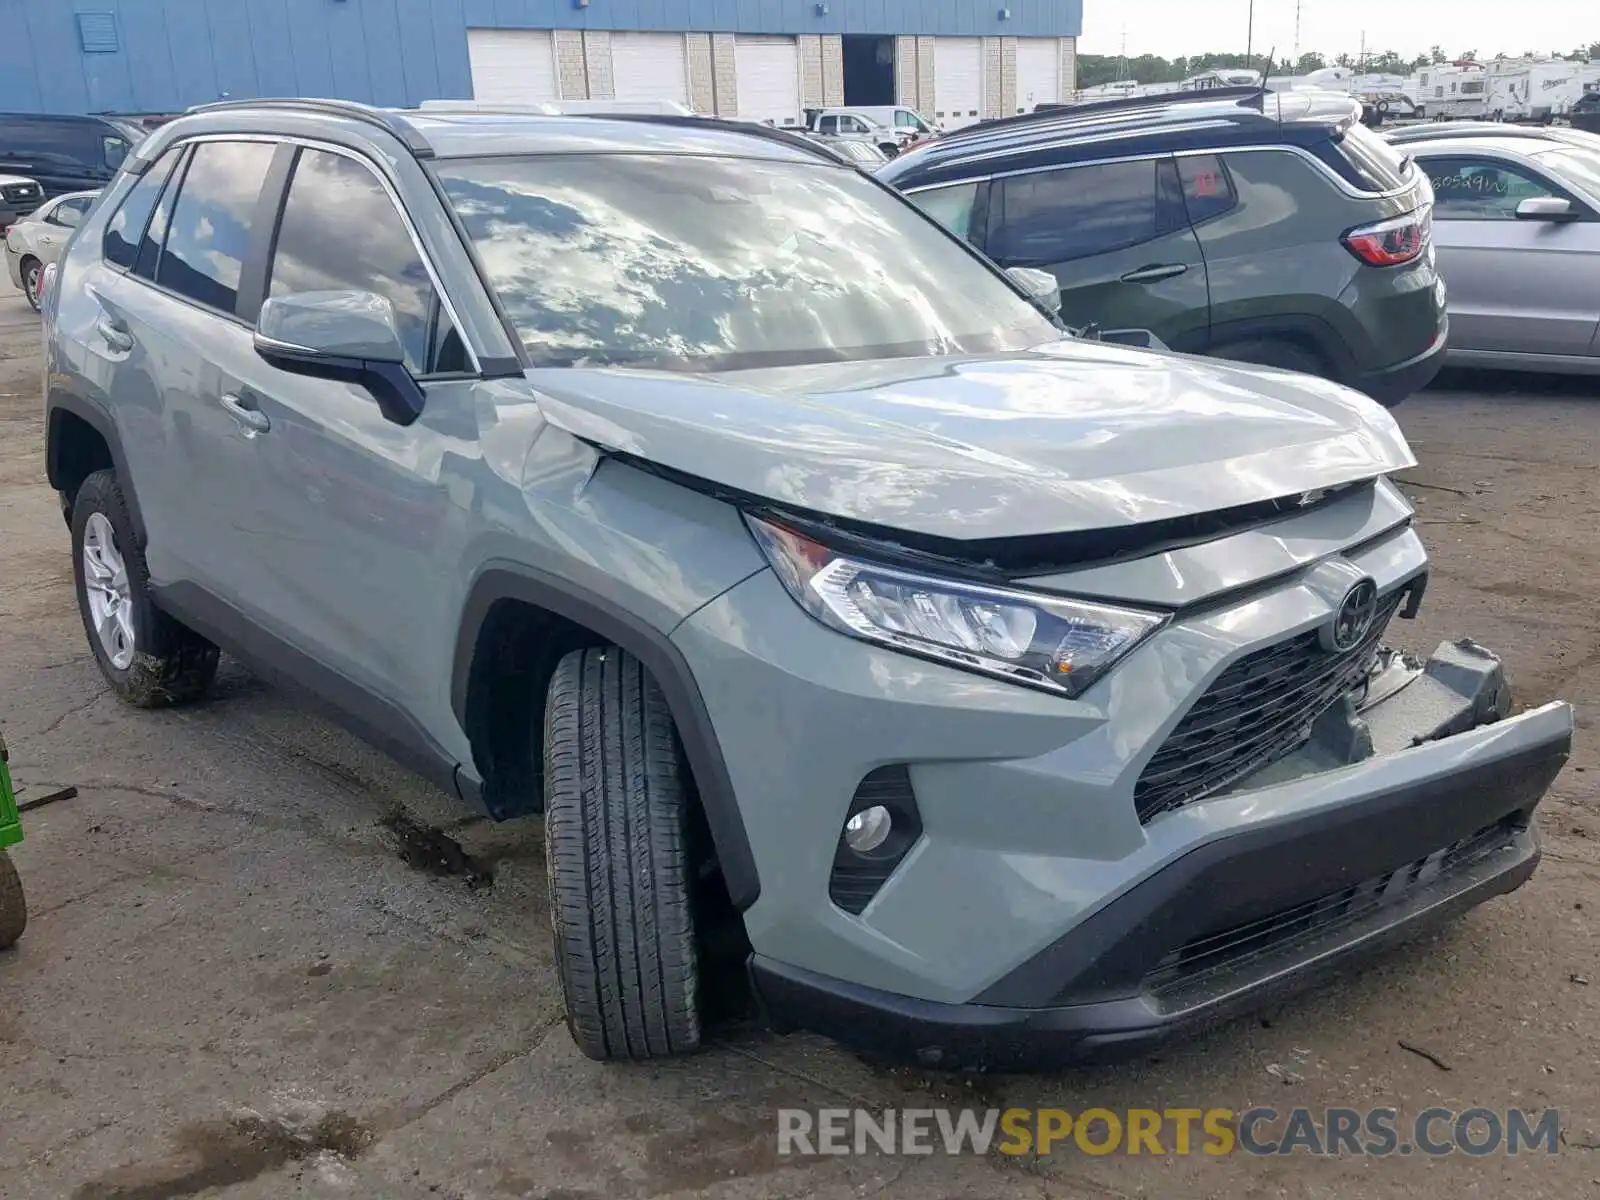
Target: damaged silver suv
[[1008, 696]]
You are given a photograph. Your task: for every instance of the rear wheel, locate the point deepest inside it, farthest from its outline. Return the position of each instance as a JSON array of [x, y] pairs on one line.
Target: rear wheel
[[1276, 352], [149, 659], [32, 280], [618, 861]]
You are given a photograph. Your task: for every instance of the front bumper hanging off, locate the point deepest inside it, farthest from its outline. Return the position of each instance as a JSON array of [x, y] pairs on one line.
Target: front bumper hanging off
[[1434, 818]]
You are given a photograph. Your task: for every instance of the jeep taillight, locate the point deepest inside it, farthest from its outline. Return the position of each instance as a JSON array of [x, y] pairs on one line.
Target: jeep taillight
[[1390, 243]]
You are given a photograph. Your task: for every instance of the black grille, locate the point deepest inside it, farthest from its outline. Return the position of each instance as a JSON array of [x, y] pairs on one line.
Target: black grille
[[20, 191], [1258, 710], [1203, 959]]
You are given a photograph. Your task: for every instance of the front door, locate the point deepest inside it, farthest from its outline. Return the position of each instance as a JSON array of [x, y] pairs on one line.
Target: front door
[[1117, 239], [1515, 286]]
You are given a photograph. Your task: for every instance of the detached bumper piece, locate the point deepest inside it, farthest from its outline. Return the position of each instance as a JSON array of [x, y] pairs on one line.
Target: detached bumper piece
[[1384, 847]]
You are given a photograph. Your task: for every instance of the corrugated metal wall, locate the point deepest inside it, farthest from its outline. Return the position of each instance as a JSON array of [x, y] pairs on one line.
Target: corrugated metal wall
[[173, 53]]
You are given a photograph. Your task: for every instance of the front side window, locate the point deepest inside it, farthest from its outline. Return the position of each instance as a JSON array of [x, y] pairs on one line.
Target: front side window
[[634, 260], [341, 232], [950, 206], [1469, 189], [208, 237], [1056, 216], [120, 245], [830, 124]]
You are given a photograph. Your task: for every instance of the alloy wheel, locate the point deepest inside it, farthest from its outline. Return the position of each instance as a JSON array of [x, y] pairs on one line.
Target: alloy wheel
[[105, 584]]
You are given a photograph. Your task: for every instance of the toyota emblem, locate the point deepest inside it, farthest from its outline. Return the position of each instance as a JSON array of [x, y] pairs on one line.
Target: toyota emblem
[[1353, 619]]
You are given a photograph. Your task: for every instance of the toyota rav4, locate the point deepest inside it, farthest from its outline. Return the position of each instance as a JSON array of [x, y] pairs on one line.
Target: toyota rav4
[[1010, 696]]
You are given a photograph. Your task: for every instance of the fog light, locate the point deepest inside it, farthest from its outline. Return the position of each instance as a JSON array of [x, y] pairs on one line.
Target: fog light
[[868, 829]]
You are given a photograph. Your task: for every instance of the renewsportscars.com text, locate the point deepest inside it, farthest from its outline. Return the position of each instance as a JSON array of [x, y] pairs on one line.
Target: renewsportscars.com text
[[1377, 1132]]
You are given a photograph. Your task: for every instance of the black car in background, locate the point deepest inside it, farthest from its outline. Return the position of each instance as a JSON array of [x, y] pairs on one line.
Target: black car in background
[[64, 153]]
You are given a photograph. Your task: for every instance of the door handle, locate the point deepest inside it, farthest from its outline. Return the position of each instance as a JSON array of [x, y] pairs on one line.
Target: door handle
[[251, 420], [1155, 272], [114, 334]]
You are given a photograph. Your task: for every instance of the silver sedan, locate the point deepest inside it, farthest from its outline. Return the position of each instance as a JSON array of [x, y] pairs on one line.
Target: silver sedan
[[37, 240], [1516, 226]]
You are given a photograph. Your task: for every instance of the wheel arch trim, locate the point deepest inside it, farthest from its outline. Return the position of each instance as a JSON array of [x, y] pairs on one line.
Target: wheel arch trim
[[501, 579], [92, 415]]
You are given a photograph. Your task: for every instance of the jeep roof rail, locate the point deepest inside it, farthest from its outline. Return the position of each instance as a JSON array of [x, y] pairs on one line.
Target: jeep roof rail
[[774, 133], [1056, 111], [386, 119]]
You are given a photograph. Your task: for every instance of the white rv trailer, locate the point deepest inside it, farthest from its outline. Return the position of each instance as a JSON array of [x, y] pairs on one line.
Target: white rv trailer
[[1449, 91]]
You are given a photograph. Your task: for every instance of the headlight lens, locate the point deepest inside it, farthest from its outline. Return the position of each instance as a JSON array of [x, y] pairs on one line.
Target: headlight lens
[[1048, 642]]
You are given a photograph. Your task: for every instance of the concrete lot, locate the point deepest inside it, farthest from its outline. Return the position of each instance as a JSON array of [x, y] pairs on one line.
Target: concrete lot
[[235, 985]]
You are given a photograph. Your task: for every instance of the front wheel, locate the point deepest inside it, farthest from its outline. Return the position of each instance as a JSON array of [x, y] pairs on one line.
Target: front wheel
[[617, 858]]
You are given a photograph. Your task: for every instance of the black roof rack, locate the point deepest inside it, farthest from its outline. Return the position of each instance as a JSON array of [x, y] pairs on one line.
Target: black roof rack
[[772, 133], [387, 120], [1056, 111]]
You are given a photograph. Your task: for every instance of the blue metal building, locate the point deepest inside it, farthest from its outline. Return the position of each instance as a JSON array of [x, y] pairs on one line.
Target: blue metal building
[[765, 59]]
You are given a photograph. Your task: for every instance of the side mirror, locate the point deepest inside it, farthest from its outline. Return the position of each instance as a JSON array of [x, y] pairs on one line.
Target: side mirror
[[1547, 208], [347, 336], [1041, 285]]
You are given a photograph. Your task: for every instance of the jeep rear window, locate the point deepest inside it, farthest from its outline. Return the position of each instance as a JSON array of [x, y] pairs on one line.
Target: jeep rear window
[[711, 264], [1375, 165]]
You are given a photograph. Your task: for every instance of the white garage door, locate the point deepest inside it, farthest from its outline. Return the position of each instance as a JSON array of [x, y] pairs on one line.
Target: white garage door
[[767, 79], [514, 66], [1038, 72], [957, 81], [650, 66]]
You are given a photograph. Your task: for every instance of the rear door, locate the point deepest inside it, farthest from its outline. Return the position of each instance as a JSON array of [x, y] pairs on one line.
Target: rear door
[[1117, 239], [1514, 286]]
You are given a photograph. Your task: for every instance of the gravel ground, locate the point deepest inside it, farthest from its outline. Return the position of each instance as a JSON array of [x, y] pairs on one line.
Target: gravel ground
[[236, 985]]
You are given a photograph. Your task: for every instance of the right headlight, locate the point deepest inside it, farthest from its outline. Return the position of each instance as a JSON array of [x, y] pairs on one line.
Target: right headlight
[[1048, 642]]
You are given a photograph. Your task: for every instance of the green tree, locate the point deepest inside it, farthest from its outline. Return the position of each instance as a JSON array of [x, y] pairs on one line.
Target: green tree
[[1309, 63], [1436, 55]]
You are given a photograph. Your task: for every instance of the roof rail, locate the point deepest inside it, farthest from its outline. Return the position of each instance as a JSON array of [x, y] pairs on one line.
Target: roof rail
[[385, 119], [1056, 111], [773, 133]]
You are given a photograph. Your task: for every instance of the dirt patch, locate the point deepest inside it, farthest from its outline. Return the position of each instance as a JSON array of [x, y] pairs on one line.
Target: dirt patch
[[431, 850], [225, 1153]]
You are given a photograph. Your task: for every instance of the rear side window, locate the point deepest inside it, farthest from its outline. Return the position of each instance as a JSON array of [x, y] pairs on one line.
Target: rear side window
[[1056, 216], [120, 246], [208, 237], [950, 206], [1207, 188], [340, 231], [1372, 164]]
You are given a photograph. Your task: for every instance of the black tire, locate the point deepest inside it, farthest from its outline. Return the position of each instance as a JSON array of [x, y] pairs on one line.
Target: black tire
[[13, 904], [171, 664], [32, 276], [617, 858], [1275, 352]]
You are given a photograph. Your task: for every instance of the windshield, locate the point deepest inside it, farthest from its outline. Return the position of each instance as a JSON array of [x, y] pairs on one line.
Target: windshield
[[710, 264], [1576, 164]]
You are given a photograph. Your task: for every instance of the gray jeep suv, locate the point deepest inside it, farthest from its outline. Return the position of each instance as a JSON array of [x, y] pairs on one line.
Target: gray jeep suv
[[1008, 696]]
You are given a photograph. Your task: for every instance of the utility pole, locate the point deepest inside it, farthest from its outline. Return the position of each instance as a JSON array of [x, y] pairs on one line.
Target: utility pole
[[1295, 57], [1250, 31], [1361, 58]]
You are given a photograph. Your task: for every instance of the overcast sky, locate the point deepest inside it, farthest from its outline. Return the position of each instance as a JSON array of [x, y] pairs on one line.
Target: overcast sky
[[1173, 27]]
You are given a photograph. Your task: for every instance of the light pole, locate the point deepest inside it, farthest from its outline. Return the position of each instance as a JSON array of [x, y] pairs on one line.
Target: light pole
[[1249, 32]]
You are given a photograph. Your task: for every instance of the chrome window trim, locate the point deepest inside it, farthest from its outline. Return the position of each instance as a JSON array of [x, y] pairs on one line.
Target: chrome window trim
[[273, 139], [1328, 172]]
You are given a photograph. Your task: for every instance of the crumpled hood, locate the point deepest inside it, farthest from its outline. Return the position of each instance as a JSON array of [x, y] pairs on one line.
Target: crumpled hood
[[1066, 437]]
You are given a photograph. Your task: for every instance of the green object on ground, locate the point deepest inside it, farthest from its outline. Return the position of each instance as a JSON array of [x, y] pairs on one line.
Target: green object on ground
[[10, 821]]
